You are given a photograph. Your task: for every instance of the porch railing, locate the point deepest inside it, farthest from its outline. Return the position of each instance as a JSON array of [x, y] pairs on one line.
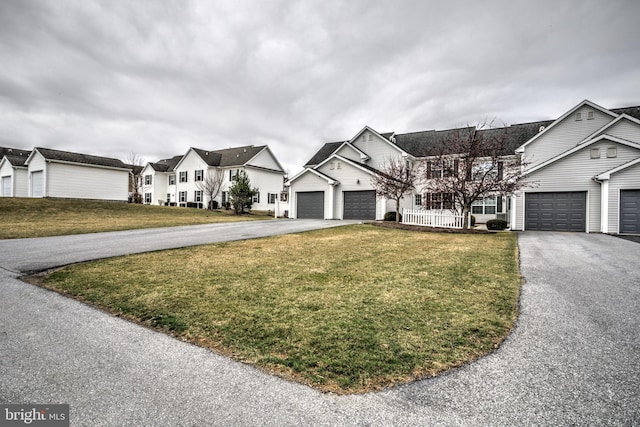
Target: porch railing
[[432, 218]]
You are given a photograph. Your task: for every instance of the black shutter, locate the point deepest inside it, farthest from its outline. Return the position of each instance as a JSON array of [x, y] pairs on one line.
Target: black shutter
[[500, 170], [456, 165], [499, 207], [429, 170]]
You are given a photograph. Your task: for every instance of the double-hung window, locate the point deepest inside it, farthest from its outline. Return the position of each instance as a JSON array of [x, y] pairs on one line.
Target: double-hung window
[[272, 197], [172, 180], [197, 196], [199, 175], [183, 176], [147, 198], [256, 197], [182, 197], [484, 206], [148, 179]]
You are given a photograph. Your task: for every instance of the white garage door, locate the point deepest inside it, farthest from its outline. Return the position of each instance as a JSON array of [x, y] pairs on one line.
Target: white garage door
[[5, 187], [37, 184]]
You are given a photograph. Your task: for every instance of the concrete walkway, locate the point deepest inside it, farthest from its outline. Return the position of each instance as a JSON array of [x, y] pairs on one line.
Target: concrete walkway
[[573, 358]]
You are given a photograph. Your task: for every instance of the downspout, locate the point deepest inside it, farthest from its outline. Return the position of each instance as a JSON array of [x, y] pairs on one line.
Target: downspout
[[604, 204]]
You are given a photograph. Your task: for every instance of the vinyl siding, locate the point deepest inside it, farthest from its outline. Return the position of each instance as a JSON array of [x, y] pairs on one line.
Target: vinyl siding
[[265, 160], [575, 173], [190, 163], [378, 149], [624, 129], [158, 187], [350, 178], [627, 179], [37, 163], [86, 182], [565, 135], [309, 182], [20, 182], [266, 182], [349, 153]]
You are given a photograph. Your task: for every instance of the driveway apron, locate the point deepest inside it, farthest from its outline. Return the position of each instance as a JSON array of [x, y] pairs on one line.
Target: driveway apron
[[573, 357]]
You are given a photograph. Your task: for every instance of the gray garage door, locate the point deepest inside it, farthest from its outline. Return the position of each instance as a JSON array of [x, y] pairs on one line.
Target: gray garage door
[[359, 205], [310, 205], [630, 211], [566, 211]]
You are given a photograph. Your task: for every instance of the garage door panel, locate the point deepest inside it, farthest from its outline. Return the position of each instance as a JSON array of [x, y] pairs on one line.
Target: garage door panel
[[310, 205], [359, 205], [561, 211], [630, 211]]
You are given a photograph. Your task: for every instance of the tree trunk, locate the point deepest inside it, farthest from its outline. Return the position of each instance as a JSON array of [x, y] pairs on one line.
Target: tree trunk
[[465, 217], [397, 211]]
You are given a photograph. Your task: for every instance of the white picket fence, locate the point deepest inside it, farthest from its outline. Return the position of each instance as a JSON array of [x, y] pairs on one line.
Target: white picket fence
[[433, 218]]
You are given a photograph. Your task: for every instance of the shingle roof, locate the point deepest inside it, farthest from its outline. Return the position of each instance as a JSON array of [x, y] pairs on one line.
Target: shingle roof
[[166, 165], [239, 155], [66, 156], [325, 151], [630, 111], [15, 160], [14, 152]]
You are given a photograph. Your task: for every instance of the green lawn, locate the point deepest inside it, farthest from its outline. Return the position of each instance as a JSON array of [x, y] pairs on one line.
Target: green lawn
[[348, 309], [56, 217]]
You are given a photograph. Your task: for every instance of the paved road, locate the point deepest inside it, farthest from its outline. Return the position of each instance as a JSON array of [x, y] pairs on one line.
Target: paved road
[[573, 358]]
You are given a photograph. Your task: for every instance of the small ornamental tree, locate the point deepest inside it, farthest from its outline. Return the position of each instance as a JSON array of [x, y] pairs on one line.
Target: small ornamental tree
[[211, 184], [396, 178], [241, 194], [474, 162]]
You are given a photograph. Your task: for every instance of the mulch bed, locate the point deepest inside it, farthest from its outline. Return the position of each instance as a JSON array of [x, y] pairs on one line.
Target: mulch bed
[[400, 226]]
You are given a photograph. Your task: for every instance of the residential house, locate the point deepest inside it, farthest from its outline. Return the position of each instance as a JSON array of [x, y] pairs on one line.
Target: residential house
[[62, 174], [336, 181], [182, 177], [585, 172], [14, 180]]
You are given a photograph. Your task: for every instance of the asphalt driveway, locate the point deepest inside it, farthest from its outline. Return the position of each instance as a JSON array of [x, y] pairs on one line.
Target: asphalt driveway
[[573, 357]]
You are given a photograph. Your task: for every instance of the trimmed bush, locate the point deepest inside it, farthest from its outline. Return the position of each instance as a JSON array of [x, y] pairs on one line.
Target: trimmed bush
[[496, 224], [391, 216]]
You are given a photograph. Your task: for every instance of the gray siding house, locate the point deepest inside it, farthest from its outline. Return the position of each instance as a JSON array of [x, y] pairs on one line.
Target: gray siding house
[[584, 173]]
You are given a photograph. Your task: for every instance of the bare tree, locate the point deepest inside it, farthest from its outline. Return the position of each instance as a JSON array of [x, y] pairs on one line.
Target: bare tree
[[472, 163], [211, 184], [136, 162], [396, 178]]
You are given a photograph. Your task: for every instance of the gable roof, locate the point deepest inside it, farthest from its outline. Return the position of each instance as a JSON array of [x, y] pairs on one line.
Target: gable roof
[[165, 165], [618, 119], [520, 149], [325, 151], [69, 157], [14, 155], [17, 161], [319, 174], [580, 147], [607, 175], [629, 111]]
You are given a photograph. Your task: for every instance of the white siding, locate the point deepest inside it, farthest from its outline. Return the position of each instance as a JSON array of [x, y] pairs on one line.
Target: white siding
[[37, 164], [265, 159], [626, 179], [575, 173], [378, 149], [310, 182], [20, 182], [190, 163], [349, 153], [624, 129], [76, 181], [266, 182], [565, 135], [158, 187]]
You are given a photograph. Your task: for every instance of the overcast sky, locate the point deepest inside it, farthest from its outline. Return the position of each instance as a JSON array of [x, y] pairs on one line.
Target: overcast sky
[[157, 77]]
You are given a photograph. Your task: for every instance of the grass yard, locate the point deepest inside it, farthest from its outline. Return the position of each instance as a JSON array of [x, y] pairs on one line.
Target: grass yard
[[346, 310], [56, 217]]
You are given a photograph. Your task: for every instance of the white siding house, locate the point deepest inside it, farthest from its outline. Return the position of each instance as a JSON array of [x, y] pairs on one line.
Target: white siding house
[[62, 174], [13, 173], [585, 175], [180, 180]]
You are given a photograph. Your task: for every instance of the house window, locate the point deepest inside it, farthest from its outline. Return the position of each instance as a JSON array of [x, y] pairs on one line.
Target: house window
[[612, 152], [199, 175], [256, 197], [272, 197], [437, 201], [284, 196], [168, 198], [484, 206], [578, 116], [590, 115], [197, 196], [182, 197], [225, 196], [147, 198], [147, 179], [417, 200], [595, 153], [172, 180], [183, 176], [233, 174]]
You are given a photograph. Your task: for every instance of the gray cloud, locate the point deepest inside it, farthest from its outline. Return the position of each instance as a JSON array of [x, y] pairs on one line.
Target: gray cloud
[[158, 77]]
